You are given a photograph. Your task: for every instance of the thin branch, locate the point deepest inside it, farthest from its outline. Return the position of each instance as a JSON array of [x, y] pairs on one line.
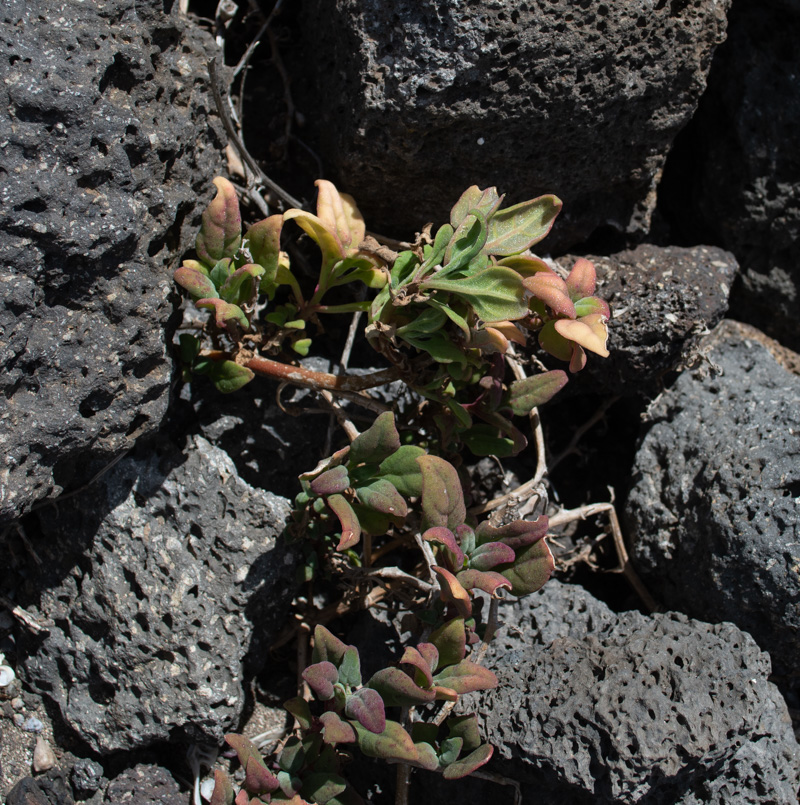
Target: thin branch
[[390, 574], [287, 198], [625, 566], [21, 615], [500, 780], [243, 62]]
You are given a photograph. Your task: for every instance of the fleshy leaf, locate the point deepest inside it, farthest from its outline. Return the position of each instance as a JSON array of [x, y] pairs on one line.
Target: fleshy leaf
[[465, 727], [517, 228], [466, 677], [195, 282], [554, 343], [322, 787], [582, 279], [339, 213], [529, 393], [449, 751], [258, 778], [377, 443], [397, 688], [525, 266], [453, 592], [442, 496], [241, 286], [350, 668], [590, 332], [245, 749], [592, 304], [486, 580], [223, 790], [426, 757], [321, 678], [331, 481], [332, 250], [465, 766], [221, 231], [451, 641], [412, 656], [394, 743], [299, 708], [487, 201], [552, 290], [366, 707], [496, 293], [383, 497], [229, 376], [224, 313], [336, 731], [516, 535], [489, 555], [328, 647], [351, 528], [264, 242], [466, 242], [444, 536], [531, 568]]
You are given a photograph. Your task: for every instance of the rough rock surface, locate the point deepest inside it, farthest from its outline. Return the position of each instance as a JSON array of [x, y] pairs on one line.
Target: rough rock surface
[[107, 154], [594, 707], [50, 789], [740, 182], [661, 300], [415, 101], [160, 583], [714, 513], [144, 785]]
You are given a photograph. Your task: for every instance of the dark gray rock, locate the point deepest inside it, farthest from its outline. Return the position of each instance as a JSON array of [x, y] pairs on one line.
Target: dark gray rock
[[594, 707], [662, 300], [739, 182], [107, 155], [86, 776], [714, 512], [163, 585], [49, 789], [415, 101], [145, 785]]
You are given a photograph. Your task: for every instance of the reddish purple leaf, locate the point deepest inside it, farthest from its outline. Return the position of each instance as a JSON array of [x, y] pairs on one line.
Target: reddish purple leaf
[[366, 707], [223, 790], [486, 580], [397, 688], [530, 570], [377, 443], [453, 592], [444, 536], [381, 496], [331, 481], [225, 313], [258, 779], [245, 749], [442, 496], [490, 554], [328, 647], [195, 282], [473, 761], [221, 232], [551, 290], [466, 677], [321, 678], [582, 279], [531, 392], [336, 731], [412, 656], [351, 528], [430, 654], [516, 535], [264, 242]]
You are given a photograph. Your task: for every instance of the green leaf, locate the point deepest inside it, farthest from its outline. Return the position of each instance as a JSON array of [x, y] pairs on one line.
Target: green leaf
[[517, 534], [402, 471], [321, 787], [530, 570], [554, 343], [228, 376], [293, 756], [332, 250], [383, 497], [496, 294], [451, 314], [466, 243], [263, 240], [429, 321], [439, 347], [517, 228], [426, 757], [376, 443], [351, 529], [436, 254], [466, 677], [328, 647], [220, 272], [451, 641], [465, 727], [442, 496], [301, 346], [195, 282], [449, 751], [591, 304], [189, 348], [548, 287], [483, 440], [487, 201], [525, 395], [473, 761], [403, 269], [244, 748], [299, 708], [394, 743], [221, 231], [525, 266], [350, 668], [241, 286]]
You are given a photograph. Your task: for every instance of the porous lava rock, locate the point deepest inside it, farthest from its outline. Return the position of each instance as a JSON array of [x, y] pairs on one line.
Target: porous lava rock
[[144, 784], [714, 511], [662, 300], [107, 154], [415, 101], [163, 586], [735, 176], [597, 707]]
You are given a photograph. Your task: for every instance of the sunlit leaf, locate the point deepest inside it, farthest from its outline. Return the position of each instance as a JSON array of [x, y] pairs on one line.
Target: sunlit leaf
[[517, 228], [397, 688], [321, 677], [350, 668], [351, 529], [240, 287], [195, 282], [223, 789], [258, 779], [366, 707], [383, 497], [332, 250], [529, 393], [328, 647], [530, 570], [524, 265], [517, 534], [442, 496], [221, 231], [341, 216], [466, 677], [554, 343], [487, 201], [452, 591], [465, 727], [412, 656], [451, 641], [335, 730], [487, 580], [376, 443], [466, 243], [552, 290], [394, 743], [263, 240], [464, 767], [225, 313], [486, 556], [444, 536], [590, 332], [582, 279]]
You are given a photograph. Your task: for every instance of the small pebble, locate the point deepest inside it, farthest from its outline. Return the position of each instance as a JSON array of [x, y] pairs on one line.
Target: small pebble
[[33, 725], [17, 703], [43, 756], [19, 719]]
